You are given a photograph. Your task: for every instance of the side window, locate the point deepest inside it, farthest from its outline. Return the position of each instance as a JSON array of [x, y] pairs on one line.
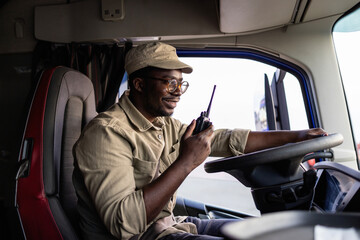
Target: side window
[[346, 37], [239, 102], [295, 103]]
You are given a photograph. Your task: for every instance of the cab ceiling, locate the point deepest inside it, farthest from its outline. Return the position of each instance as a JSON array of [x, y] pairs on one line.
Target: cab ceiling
[[172, 19]]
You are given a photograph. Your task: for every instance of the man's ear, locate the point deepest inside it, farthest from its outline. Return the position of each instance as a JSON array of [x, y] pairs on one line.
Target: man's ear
[[138, 84]]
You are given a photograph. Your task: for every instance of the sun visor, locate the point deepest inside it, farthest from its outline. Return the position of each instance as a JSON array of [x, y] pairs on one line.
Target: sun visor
[[243, 16], [84, 21]]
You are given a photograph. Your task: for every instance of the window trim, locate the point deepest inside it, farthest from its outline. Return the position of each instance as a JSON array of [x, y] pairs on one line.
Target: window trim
[[299, 73]]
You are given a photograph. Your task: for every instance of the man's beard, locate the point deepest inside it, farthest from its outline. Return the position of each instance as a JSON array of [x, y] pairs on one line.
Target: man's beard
[[158, 111], [161, 113]]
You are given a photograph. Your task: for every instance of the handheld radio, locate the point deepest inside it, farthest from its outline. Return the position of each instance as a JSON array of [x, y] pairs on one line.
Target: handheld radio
[[203, 121]]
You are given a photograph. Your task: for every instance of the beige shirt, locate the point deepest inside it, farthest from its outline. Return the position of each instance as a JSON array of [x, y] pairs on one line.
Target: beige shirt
[[118, 154]]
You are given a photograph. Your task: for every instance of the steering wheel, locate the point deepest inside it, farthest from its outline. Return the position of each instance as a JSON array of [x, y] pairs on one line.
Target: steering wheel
[[274, 165]]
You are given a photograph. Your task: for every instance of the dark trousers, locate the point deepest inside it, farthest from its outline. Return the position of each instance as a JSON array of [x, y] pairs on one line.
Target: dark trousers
[[207, 229]]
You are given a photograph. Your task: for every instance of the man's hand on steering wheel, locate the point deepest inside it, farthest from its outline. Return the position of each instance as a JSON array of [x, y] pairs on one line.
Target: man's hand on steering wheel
[[313, 133], [269, 139]]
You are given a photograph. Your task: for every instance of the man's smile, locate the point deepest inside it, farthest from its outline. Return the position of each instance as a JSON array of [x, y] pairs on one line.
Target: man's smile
[[170, 102]]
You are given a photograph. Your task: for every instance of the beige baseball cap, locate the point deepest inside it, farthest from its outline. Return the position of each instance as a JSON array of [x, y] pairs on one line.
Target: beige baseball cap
[[154, 54]]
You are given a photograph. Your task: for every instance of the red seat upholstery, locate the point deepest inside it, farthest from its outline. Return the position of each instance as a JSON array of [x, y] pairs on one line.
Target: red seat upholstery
[[63, 104]]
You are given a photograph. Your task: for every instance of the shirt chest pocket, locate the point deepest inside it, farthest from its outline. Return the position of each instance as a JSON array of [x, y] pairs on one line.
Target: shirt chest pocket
[[144, 172], [174, 153]]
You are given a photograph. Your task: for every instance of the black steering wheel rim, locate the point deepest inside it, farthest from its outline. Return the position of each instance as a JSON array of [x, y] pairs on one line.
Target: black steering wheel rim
[[292, 152]]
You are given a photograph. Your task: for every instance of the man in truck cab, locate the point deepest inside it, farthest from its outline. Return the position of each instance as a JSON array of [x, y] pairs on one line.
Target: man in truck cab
[[130, 159]]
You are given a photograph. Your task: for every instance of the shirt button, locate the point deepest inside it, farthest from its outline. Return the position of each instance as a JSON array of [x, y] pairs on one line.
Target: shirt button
[[159, 137]]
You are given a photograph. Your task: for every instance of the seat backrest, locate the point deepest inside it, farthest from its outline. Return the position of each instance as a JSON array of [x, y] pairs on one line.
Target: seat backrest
[[63, 104]]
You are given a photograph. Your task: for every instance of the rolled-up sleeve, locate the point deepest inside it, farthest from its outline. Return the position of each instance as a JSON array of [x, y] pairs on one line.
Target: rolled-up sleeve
[[229, 142], [105, 160]]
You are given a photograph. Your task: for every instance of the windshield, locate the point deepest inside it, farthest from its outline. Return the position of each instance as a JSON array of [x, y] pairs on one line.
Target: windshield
[[346, 36]]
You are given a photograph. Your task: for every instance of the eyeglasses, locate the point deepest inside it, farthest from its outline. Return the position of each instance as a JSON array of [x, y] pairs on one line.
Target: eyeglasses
[[173, 84]]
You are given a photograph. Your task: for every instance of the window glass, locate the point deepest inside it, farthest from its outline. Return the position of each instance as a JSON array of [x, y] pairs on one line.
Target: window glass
[[295, 104], [238, 102], [346, 37], [239, 90]]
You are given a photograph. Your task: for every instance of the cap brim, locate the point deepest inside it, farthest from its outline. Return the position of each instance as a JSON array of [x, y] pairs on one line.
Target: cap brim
[[172, 64]]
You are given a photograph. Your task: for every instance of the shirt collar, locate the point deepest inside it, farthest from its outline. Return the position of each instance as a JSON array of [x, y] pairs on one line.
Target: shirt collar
[[136, 117]]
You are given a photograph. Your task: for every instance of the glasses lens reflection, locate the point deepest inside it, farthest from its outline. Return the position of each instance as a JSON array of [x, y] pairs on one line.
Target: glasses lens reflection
[[174, 84]]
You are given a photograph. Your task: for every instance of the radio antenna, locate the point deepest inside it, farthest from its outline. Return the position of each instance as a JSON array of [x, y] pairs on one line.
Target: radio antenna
[[209, 107]]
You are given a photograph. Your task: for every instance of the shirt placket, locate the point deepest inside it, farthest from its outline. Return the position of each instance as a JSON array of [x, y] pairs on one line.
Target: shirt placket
[[160, 138]]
